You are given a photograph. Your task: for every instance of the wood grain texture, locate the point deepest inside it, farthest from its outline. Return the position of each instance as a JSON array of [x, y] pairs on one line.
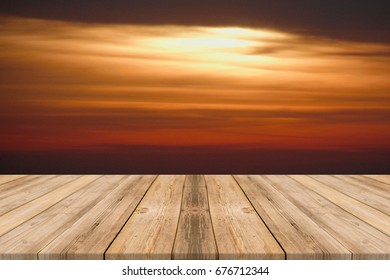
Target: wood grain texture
[[360, 238], [29, 192], [381, 178], [364, 212], [195, 236], [90, 236], [9, 178], [29, 238], [195, 181], [150, 232], [300, 236], [25, 212], [373, 184], [358, 189], [239, 232], [22, 184]]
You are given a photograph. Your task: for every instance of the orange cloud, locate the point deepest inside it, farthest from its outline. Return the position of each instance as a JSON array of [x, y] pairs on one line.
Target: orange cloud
[[67, 85]]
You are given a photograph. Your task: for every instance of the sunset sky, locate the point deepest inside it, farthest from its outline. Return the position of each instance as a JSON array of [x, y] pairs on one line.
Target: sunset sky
[[167, 87]]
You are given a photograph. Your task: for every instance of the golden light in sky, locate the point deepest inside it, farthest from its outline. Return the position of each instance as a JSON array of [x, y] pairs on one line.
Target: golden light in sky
[[70, 85]]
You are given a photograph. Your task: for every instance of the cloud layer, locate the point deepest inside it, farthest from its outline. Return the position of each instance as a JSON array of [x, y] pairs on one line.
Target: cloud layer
[[98, 87], [358, 20]]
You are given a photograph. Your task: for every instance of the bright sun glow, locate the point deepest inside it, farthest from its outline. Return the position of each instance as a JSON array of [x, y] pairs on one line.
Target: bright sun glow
[[223, 39], [205, 43], [223, 49]]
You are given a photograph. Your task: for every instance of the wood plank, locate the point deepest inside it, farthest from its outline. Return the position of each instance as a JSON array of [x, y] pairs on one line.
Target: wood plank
[[360, 238], [364, 212], [299, 236], [8, 178], [92, 234], [150, 231], [373, 181], [29, 192], [239, 231], [381, 178], [369, 184], [195, 237], [25, 212], [359, 190], [195, 181], [22, 184], [28, 239]]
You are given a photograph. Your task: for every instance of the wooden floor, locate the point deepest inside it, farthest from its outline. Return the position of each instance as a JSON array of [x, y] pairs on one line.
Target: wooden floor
[[194, 217]]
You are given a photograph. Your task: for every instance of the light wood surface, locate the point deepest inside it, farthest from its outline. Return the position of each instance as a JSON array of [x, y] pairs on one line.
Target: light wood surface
[[91, 235], [9, 178], [195, 236], [25, 212], [32, 239], [239, 231], [355, 188], [381, 178], [360, 238], [19, 185], [194, 217], [364, 212], [300, 236], [15, 197], [150, 231]]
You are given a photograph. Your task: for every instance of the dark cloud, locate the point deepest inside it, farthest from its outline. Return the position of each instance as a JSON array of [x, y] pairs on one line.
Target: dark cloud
[[378, 54], [194, 160], [362, 20]]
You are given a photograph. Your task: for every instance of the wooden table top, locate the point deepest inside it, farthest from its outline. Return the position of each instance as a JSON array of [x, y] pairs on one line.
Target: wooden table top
[[194, 217]]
